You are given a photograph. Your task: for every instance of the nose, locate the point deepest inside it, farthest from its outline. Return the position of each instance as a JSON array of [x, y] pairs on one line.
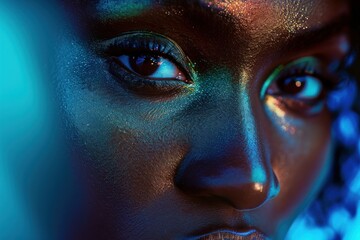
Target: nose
[[243, 183], [230, 166]]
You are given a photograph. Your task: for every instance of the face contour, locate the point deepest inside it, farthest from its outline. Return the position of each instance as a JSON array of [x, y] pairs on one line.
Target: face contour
[[193, 119]]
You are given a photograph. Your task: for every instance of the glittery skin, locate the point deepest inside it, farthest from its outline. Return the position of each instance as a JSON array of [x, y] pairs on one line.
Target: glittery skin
[[220, 156]]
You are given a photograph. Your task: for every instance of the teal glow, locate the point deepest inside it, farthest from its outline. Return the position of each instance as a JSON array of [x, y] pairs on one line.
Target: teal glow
[[355, 184], [36, 181], [348, 128], [15, 219], [339, 219], [303, 228], [258, 172], [16, 99], [123, 9], [270, 80], [353, 230]]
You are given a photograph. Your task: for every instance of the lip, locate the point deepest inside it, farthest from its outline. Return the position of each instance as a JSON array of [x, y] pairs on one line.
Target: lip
[[231, 235]]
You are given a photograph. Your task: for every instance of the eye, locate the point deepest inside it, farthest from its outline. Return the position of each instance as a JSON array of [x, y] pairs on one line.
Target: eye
[[298, 87], [151, 66]]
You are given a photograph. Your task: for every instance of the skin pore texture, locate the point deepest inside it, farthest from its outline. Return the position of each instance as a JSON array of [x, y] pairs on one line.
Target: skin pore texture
[[217, 145]]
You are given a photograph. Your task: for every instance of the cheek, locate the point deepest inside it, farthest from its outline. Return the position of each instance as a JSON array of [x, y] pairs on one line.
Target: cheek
[[127, 155], [301, 170], [147, 166], [301, 150]]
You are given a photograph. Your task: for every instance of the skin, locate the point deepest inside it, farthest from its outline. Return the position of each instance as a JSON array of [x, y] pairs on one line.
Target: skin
[[214, 156]]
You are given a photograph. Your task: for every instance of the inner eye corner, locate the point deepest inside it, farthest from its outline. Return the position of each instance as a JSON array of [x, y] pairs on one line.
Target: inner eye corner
[[274, 76]]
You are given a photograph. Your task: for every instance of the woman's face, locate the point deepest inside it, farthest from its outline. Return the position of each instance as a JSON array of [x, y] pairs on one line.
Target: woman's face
[[188, 118]]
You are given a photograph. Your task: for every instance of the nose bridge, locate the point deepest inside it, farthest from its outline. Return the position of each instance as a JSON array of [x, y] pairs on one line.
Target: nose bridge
[[253, 146], [231, 163]]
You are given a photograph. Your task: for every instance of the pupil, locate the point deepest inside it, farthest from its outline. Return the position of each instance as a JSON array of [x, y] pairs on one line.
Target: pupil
[[144, 65], [292, 85]]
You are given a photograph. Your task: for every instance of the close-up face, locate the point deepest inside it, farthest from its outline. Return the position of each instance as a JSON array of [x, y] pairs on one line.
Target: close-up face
[[199, 119]]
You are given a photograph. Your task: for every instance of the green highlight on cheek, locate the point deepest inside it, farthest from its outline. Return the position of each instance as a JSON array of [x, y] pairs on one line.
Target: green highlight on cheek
[[123, 9], [269, 81]]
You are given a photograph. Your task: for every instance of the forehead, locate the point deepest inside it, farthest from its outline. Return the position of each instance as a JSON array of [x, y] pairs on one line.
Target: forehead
[[247, 17], [233, 8], [254, 15]]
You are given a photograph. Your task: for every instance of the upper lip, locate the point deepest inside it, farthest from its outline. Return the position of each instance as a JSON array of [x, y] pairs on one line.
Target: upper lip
[[228, 234]]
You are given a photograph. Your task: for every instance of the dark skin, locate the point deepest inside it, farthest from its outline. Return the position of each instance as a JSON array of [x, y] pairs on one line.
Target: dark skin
[[213, 150]]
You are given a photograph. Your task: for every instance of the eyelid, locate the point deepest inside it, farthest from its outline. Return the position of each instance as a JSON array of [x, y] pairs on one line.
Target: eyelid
[[140, 42]]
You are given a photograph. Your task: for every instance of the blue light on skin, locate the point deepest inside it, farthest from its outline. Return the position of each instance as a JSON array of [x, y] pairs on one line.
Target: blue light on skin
[[258, 173], [270, 80], [123, 9]]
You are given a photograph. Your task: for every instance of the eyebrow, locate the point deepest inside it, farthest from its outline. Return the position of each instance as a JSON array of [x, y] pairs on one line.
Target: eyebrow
[[317, 35], [307, 38]]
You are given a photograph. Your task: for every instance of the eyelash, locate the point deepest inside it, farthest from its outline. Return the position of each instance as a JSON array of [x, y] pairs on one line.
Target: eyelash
[[147, 44]]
